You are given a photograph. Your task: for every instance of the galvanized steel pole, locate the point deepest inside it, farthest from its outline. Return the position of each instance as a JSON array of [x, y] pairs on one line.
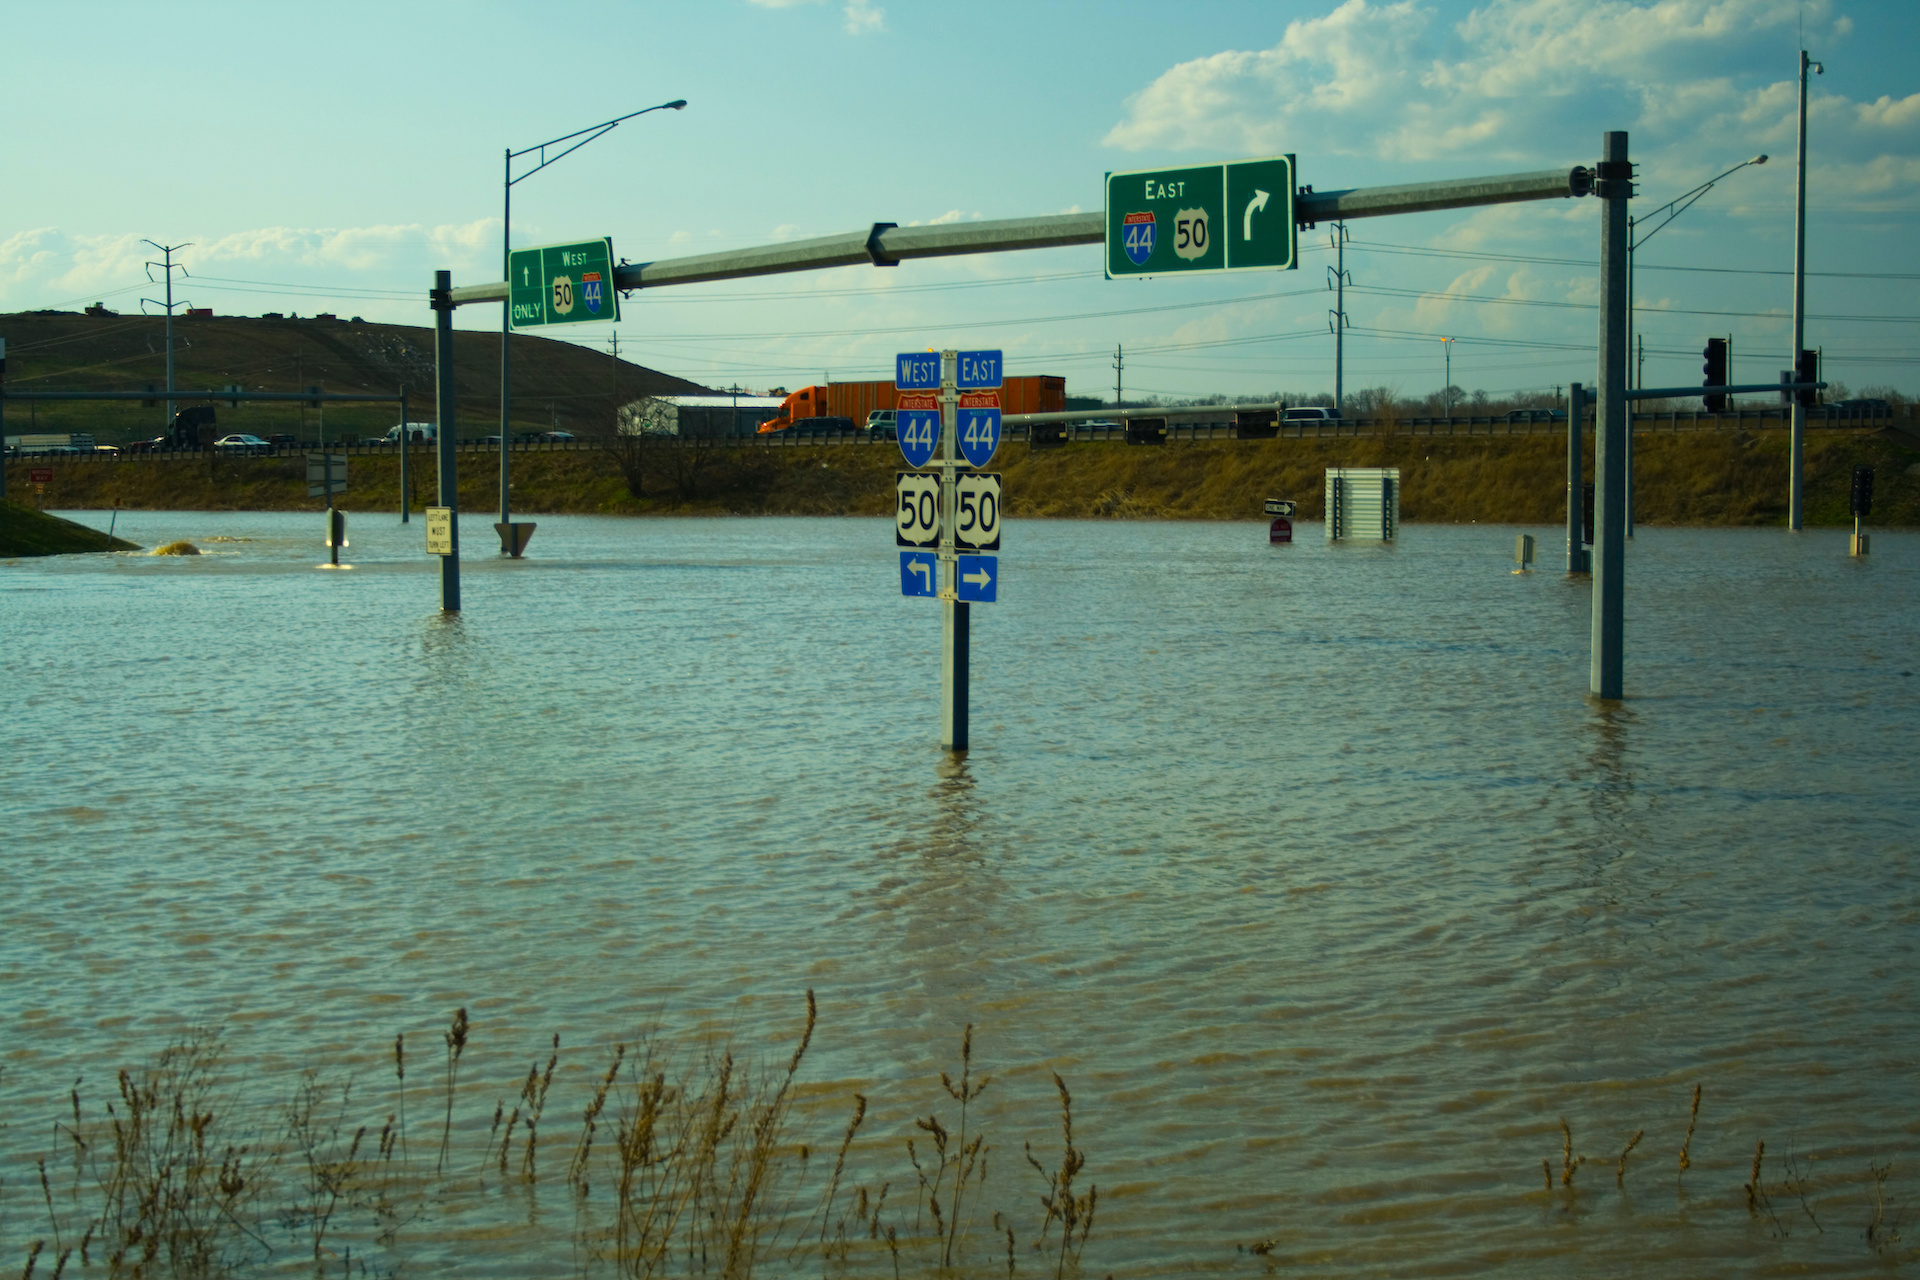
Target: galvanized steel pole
[[1576, 482], [406, 487], [1614, 187], [955, 619], [506, 337], [444, 432], [1796, 448]]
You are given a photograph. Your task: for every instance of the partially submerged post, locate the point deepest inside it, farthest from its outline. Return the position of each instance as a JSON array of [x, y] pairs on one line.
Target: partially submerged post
[[1576, 481], [406, 444], [1614, 187], [443, 433]]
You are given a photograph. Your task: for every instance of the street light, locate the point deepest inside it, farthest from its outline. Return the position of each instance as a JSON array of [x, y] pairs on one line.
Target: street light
[[1446, 344], [583, 136], [1673, 209]]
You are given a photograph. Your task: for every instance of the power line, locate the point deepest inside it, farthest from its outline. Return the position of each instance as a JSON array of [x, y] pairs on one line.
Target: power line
[[1380, 246]]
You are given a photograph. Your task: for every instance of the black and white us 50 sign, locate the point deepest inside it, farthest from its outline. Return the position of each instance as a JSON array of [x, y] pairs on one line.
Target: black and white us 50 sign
[[916, 509], [976, 525]]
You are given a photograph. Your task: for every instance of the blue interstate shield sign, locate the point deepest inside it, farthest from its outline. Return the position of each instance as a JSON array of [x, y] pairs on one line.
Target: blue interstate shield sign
[[919, 431], [1137, 237], [979, 435], [590, 291]]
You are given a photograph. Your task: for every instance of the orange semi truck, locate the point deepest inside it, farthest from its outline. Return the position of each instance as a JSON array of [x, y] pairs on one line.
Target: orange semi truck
[[851, 405]]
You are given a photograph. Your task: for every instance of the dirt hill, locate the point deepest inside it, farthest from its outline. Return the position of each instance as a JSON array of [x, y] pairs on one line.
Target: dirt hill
[[1699, 478], [554, 383]]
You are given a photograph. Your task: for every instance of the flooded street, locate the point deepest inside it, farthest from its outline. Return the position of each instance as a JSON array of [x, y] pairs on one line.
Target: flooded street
[[1310, 869]]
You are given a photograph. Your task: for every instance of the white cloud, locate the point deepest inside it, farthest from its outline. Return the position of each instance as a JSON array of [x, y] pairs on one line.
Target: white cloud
[[858, 16], [48, 267], [1515, 78], [863, 16], [1887, 113]]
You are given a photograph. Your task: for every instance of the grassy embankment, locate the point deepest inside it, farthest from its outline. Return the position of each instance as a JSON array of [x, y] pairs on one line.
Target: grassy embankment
[[1703, 478], [27, 532]]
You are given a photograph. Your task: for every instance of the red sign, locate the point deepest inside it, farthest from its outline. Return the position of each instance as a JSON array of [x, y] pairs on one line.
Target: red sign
[[914, 400], [980, 400], [41, 475]]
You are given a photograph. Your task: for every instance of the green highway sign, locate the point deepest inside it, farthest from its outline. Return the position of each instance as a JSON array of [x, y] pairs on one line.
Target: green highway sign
[[562, 284], [1236, 216]]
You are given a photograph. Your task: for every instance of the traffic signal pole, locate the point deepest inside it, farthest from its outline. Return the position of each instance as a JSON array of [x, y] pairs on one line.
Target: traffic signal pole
[[1797, 445], [1576, 481], [1614, 187]]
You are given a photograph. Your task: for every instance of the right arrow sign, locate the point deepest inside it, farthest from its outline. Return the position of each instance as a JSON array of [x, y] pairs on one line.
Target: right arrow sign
[[978, 579], [1260, 199]]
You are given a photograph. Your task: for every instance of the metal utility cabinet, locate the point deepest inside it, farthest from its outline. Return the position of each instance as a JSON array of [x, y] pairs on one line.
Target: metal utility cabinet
[[1363, 503]]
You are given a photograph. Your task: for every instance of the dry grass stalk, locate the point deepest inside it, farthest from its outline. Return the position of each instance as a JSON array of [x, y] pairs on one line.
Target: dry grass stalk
[[1693, 1118], [1569, 1163], [754, 1182], [839, 1166], [1883, 1234], [1060, 1202], [589, 1123], [963, 1093], [456, 1038], [536, 1096], [400, 1076], [1620, 1171], [173, 1193]]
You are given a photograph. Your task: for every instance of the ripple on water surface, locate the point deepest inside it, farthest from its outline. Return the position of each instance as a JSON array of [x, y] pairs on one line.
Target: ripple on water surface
[[1308, 867]]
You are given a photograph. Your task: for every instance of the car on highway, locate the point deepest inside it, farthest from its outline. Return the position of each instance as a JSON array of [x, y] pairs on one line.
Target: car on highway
[[555, 437], [883, 424], [242, 444], [1309, 413], [1536, 415]]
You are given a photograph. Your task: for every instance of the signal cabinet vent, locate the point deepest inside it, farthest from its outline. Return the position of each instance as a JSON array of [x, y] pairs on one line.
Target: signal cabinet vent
[[1363, 504]]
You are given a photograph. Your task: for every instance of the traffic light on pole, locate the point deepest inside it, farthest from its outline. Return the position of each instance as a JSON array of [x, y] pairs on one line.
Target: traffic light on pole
[[1715, 371], [1807, 369], [1862, 504]]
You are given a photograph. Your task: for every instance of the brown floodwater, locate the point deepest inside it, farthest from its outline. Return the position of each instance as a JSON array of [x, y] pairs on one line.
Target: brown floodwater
[[1310, 869]]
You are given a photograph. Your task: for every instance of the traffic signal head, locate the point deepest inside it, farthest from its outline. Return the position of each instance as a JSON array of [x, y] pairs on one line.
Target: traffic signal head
[[1714, 370], [1807, 369], [1862, 504]]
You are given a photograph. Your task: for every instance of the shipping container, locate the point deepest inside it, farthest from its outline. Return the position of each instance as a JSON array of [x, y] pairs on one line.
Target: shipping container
[[855, 400]]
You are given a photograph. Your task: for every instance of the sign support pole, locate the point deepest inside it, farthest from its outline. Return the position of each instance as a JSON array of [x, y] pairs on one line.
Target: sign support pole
[[506, 364], [1576, 481], [406, 478], [444, 432], [955, 622], [1614, 188]]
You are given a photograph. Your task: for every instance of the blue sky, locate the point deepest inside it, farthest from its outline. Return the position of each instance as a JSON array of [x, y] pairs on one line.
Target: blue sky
[[329, 158]]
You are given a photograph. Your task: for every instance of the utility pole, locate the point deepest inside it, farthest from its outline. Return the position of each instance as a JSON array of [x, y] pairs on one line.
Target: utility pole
[[1614, 186], [1446, 344], [168, 265], [1119, 362], [1797, 447], [1339, 321], [616, 382]]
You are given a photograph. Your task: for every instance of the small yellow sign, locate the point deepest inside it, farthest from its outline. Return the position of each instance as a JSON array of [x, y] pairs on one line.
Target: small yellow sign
[[439, 531]]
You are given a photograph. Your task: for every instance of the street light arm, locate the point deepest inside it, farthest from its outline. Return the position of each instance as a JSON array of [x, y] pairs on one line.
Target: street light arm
[[592, 131], [1689, 197]]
